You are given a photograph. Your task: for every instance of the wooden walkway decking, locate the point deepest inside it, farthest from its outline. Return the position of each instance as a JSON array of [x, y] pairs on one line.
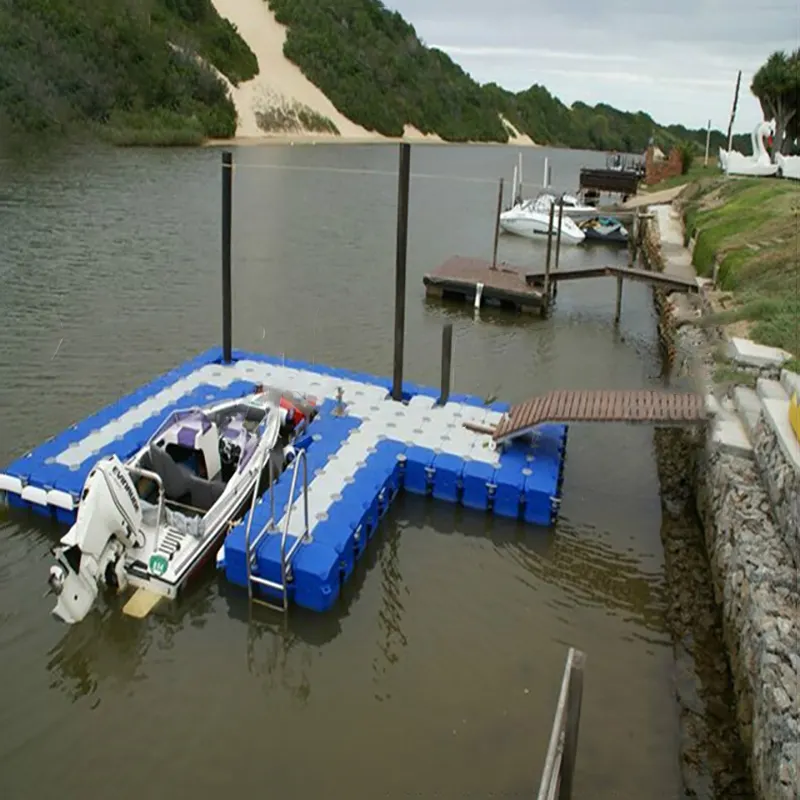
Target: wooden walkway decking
[[634, 406], [523, 288], [671, 282]]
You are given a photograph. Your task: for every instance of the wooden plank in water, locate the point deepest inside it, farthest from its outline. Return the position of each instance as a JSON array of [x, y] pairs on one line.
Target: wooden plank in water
[[141, 603]]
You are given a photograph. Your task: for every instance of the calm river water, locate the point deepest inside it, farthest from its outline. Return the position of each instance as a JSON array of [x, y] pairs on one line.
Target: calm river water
[[438, 675]]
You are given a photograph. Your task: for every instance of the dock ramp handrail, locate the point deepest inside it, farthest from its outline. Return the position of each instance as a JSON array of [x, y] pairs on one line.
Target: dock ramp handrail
[[269, 527], [559, 765]]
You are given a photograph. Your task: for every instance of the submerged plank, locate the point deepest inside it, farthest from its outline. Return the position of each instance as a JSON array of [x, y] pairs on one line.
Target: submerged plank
[[141, 603]]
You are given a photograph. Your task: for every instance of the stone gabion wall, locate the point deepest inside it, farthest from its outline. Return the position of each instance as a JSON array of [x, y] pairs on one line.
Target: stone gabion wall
[[653, 258], [782, 481], [755, 583]]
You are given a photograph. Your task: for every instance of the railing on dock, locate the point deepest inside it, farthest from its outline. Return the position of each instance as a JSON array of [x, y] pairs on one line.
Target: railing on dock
[[250, 549], [559, 765]]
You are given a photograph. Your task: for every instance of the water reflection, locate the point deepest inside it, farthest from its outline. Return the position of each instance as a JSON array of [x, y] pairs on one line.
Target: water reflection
[[574, 557], [391, 608], [96, 651], [109, 648], [279, 647], [270, 647]]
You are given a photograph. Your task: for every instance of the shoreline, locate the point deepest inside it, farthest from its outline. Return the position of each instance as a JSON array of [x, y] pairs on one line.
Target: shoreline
[[313, 139], [738, 478]]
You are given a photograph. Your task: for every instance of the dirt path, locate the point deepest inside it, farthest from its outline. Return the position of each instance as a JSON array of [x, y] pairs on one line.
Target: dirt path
[[664, 196]]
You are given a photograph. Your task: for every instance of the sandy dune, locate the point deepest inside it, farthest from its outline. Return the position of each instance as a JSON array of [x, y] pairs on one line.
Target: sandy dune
[[515, 137], [280, 84]]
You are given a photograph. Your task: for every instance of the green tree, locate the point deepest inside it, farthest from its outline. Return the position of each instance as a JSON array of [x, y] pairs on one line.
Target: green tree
[[777, 87]]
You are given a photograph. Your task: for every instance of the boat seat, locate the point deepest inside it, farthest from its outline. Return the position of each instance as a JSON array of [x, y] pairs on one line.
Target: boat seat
[[181, 485]]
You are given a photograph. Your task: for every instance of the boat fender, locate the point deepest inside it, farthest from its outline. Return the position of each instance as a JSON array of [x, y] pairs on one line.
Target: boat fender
[[289, 454]]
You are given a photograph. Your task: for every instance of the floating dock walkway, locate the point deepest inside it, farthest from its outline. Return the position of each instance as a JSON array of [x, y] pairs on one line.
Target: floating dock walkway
[[359, 455], [372, 438]]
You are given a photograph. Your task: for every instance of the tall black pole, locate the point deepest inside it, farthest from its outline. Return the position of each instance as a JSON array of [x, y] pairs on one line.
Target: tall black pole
[[558, 232], [558, 241], [497, 223], [404, 174], [733, 109], [447, 361], [227, 213], [549, 255]]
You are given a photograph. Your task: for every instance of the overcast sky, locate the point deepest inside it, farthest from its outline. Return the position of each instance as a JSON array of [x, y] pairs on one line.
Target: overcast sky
[[675, 60]]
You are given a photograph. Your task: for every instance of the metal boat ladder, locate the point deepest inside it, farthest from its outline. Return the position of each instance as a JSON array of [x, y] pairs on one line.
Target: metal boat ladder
[[251, 549]]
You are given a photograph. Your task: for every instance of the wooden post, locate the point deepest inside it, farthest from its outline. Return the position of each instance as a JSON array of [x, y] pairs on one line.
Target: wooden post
[[403, 179], [633, 249], [447, 361], [618, 312], [559, 762], [227, 218], [497, 223], [573, 721], [733, 110], [546, 295], [558, 240]]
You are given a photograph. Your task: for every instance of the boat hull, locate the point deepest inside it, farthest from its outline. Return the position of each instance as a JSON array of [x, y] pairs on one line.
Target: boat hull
[[579, 214], [534, 229], [140, 578], [610, 238]]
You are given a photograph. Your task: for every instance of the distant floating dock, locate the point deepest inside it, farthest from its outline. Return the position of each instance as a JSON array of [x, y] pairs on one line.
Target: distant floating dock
[[479, 283], [359, 454], [612, 181]]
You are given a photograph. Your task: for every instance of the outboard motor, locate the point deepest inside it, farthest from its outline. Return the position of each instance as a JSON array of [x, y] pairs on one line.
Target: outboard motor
[[93, 550]]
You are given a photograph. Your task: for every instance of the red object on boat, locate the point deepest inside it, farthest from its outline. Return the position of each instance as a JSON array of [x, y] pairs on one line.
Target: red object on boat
[[290, 412]]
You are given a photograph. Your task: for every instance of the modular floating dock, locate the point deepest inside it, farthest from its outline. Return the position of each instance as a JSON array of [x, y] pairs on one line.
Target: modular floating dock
[[359, 453]]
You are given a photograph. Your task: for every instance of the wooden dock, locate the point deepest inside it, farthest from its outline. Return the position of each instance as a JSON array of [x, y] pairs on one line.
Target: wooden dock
[[477, 282], [523, 289], [613, 181], [632, 406], [672, 283]]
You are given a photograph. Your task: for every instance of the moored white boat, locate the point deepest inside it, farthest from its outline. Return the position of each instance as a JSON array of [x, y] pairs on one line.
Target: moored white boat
[[154, 520], [531, 219], [573, 208]]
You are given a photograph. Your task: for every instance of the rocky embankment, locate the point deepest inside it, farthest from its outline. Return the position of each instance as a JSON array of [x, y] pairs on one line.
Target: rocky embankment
[[743, 475]]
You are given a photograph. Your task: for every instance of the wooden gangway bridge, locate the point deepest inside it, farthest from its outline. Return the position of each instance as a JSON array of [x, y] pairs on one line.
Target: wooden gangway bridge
[[637, 406]]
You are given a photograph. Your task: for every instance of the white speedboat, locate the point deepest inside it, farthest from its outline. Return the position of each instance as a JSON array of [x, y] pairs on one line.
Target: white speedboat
[[154, 520], [573, 208], [531, 219]]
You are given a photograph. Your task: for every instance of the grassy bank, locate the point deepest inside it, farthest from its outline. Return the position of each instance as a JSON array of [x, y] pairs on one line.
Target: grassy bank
[[748, 233]]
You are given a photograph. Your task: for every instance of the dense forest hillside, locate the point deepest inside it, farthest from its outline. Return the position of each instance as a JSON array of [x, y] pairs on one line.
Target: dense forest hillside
[[124, 65], [370, 62], [129, 69]]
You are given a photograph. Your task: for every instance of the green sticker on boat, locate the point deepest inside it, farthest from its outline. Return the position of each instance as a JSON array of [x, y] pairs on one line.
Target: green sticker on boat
[[158, 564]]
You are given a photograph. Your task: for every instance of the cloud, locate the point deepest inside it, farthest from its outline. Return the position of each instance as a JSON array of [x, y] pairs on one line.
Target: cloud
[[677, 62]]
